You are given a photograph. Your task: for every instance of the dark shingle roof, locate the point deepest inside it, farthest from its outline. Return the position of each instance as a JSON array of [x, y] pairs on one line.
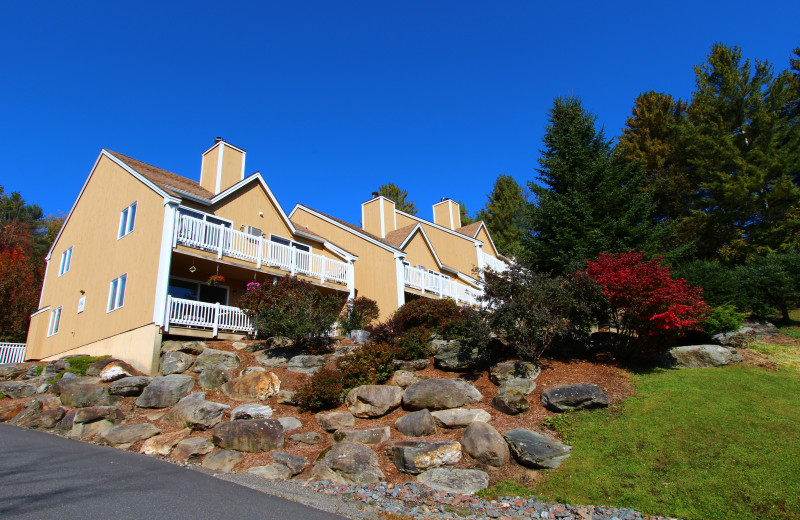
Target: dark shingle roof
[[165, 180], [398, 236], [470, 229]]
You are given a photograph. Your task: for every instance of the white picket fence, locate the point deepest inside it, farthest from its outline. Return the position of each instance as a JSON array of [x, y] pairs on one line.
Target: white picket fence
[[12, 353]]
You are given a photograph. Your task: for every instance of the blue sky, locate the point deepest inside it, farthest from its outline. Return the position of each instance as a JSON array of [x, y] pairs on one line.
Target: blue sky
[[332, 99]]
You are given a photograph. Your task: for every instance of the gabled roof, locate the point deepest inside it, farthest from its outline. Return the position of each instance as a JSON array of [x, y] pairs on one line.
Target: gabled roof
[[352, 228], [398, 237], [471, 230], [174, 184]]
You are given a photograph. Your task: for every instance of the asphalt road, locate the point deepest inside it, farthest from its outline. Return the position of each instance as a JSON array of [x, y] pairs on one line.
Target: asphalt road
[[43, 476]]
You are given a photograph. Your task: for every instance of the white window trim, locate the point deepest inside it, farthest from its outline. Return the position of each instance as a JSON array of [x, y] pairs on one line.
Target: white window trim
[[117, 296], [66, 260], [292, 243], [205, 215], [125, 217], [54, 323]]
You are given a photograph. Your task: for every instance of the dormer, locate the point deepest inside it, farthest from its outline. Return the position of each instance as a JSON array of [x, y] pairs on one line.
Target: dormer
[[223, 166], [447, 213], [377, 216]]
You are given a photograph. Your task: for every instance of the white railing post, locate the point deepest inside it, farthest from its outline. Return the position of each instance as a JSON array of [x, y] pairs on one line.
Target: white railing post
[[175, 231], [221, 238], [324, 268], [216, 319], [293, 259], [260, 251], [167, 313]]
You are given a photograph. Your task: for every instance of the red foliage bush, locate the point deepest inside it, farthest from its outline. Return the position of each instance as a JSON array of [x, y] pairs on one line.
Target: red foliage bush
[[649, 308]]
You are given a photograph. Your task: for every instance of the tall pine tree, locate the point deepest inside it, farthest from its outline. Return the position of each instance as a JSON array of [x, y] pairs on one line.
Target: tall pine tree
[[585, 203], [503, 214], [394, 193]]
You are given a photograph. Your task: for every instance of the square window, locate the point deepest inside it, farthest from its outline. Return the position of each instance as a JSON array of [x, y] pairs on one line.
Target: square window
[[55, 320], [126, 220], [81, 304], [66, 259], [116, 293]]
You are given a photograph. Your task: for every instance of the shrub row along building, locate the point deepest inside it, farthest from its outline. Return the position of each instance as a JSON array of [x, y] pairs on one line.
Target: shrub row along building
[[145, 252]]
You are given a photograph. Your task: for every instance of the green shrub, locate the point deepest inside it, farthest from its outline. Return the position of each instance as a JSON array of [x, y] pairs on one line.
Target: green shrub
[[386, 331], [433, 314], [39, 369], [372, 365], [79, 364], [361, 312], [724, 318], [323, 391], [413, 343]]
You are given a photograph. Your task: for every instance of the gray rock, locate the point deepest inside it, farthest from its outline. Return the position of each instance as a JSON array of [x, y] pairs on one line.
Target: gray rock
[[701, 356], [129, 386], [456, 355], [17, 389], [747, 333], [287, 397], [194, 348], [513, 369], [127, 434], [69, 379], [574, 397], [275, 358], [290, 423], [511, 403], [216, 358], [191, 449], [222, 460], [239, 345], [416, 424], [253, 436], [273, 471], [293, 462], [460, 417], [80, 396], [255, 386], [306, 364], [97, 413], [64, 426], [111, 369], [164, 391], [309, 438], [360, 337], [85, 431], [193, 411], [535, 450], [457, 481], [414, 365], [332, 421], [368, 401], [251, 411], [349, 464], [252, 370], [404, 378], [417, 456], [164, 443], [482, 442], [175, 363], [213, 377], [277, 342], [12, 371], [54, 367], [367, 436], [439, 394], [43, 420], [517, 384]]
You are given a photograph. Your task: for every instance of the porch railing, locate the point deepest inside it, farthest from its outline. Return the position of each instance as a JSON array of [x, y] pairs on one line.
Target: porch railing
[[443, 287], [493, 263], [199, 234], [213, 316], [12, 353]]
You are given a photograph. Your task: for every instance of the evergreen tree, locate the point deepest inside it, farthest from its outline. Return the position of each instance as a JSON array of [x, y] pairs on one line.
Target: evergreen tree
[[393, 192], [466, 218], [585, 203], [503, 214]]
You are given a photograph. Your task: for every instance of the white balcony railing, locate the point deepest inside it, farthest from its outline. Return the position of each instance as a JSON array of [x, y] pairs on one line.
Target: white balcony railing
[[12, 353], [490, 262], [201, 315], [443, 287], [199, 234]]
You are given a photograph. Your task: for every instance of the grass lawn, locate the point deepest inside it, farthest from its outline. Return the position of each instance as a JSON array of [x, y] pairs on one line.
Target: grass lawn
[[717, 443]]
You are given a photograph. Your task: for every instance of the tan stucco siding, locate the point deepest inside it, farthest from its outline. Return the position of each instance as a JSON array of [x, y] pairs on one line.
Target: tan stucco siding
[[232, 160], [375, 272], [208, 170], [418, 253], [453, 250], [98, 257], [487, 248]]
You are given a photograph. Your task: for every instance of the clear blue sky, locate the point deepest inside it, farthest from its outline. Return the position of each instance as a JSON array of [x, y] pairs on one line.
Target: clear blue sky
[[332, 99]]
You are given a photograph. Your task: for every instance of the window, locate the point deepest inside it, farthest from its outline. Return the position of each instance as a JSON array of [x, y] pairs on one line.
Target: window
[[287, 242], [197, 291], [126, 219], [116, 293], [81, 304], [55, 319], [66, 258]]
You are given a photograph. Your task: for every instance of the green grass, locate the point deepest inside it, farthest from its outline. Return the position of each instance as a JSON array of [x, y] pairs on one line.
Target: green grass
[[784, 355], [698, 444], [504, 488], [792, 329]]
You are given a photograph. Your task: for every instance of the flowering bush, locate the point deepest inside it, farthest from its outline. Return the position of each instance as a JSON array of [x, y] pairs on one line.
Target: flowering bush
[[648, 307], [253, 285], [216, 279]]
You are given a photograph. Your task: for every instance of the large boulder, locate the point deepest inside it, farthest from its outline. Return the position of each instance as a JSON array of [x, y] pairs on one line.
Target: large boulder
[[511, 402], [9, 410], [69, 379], [164, 391], [574, 397], [747, 333], [85, 431], [222, 460], [411, 366], [274, 358], [456, 355], [482, 442], [191, 449], [307, 364], [213, 377], [82, 395], [368, 401], [701, 356], [290, 423], [416, 456], [348, 463], [332, 421], [517, 384], [98, 413], [162, 444], [513, 369], [252, 436], [44, 420], [456, 481], [535, 450], [307, 438], [255, 386], [175, 363], [216, 358], [129, 386], [368, 436], [188, 347], [251, 411], [440, 394], [111, 369], [193, 411], [127, 434], [404, 378], [17, 389], [12, 371], [460, 417], [416, 424], [294, 462]]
